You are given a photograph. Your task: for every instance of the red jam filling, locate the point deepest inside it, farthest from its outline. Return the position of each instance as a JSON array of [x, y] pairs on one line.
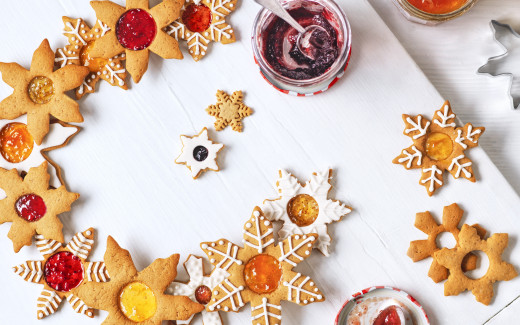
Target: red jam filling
[[203, 294], [63, 271], [262, 274], [388, 316], [281, 51], [438, 6], [136, 29], [197, 18], [16, 143], [30, 207]]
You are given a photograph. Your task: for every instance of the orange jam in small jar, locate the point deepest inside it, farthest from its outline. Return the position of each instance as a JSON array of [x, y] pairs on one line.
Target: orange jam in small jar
[[432, 12]]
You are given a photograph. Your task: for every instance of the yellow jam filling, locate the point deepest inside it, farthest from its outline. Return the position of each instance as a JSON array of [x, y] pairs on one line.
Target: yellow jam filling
[[439, 146], [137, 302], [262, 274], [303, 210], [16, 143], [93, 64], [41, 90]]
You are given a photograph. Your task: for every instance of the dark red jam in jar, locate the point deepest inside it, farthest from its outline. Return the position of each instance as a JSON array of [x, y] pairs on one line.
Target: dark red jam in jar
[[63, 271], [30, 207], [136, 29]]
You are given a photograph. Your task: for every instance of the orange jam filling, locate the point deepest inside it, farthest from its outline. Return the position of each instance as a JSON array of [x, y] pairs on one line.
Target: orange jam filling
[[93, 64], [438, 146], [262, 274], [41, 90], [16, 143], [303, 210], [438, 7], [137, 302]]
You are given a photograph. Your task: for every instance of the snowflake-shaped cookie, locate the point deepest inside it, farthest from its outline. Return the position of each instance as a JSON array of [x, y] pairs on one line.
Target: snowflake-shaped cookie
[[81, 40], [31, 206], [201, 22], [199, 153], [132, 296], [199, 288], [261, 273], [18, 149], [505, 64], [438, 146], [305, 209], [229, 110], [40, 92], [61, 271]]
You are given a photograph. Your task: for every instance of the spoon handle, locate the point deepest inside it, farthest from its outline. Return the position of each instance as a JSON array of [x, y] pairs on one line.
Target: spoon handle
[[276, 8]]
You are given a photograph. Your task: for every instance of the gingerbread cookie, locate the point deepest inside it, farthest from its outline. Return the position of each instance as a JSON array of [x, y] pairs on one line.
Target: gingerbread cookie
[[137, 30], [201, 22], [261, 273], [40, 92], [199, 153], [499, 270], [31, 206], [78, 52], [199, 288], [137, 297], [18, 149], [421, 249], [438, 146], [229, 110], [62, 270], [305, 209]]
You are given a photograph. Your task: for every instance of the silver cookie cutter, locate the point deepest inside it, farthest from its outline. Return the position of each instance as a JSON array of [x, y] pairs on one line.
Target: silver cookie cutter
[[494, 67]]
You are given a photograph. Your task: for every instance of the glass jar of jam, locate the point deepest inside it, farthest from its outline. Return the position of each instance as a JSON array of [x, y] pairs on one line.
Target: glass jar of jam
[[279, 59], [432, 12]]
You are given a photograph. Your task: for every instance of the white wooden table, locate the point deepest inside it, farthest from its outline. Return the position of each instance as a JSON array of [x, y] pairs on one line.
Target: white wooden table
[[122, 162]]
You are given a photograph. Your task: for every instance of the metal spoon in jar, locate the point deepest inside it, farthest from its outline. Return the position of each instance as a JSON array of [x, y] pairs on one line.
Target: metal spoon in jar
[[308, 40]]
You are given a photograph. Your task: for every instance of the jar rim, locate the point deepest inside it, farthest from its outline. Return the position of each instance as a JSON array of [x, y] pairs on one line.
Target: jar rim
[[416, 12]]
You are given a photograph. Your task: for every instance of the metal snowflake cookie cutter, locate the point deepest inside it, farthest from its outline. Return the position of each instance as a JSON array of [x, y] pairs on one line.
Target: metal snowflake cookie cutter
[[497, 66]]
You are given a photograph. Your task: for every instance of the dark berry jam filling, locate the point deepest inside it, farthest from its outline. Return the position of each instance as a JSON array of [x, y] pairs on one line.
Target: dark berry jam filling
[[136, 29], [200, 153], [30, 207], [63, 271], [197, 18]]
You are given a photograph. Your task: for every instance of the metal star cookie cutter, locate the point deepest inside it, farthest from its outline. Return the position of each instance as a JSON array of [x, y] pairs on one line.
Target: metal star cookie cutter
[[497, 66]]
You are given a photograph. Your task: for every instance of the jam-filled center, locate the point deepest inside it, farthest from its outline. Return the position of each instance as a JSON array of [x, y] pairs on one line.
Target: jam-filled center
[[63, 271], [16, 143], [41, 90], [262, 274], [92, 63], [30, 207], [197, 18], [136, 29], [438, 6], [303, 210], [200, 153], [137, 302], [203, 294], [438, 146]]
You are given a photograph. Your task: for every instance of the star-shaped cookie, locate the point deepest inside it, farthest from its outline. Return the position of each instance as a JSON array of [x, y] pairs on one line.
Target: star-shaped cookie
[[229, 110]]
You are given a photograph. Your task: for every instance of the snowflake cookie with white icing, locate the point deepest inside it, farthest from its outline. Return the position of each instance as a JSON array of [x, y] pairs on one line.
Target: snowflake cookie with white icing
[[305, 209], [201, 22], [438, 146], [261, 273], [199, 289], [62, 270], [199, 153], [78, 52]]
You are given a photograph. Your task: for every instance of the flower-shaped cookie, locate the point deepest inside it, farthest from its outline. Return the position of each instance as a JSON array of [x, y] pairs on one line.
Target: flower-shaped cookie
[[18, 150], [229, 110], [305, 209], [81, 41], [40, 92], [421, 249], [261, 273], [136, 30], [498, 270], [199, 153], [137, 297], [438, 146], [62, 270], [199, 288], [201, 22], [31, 206]]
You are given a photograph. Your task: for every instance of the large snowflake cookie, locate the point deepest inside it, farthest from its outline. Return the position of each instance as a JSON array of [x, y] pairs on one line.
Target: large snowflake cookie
[[40, 92], [31, 206], [229, 110], [305, 209], [78, 52], [201, 22], [199, 153], [137, 297], [137, 30], [199, 288], [62, 270], [261, 273], [438, 146]]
